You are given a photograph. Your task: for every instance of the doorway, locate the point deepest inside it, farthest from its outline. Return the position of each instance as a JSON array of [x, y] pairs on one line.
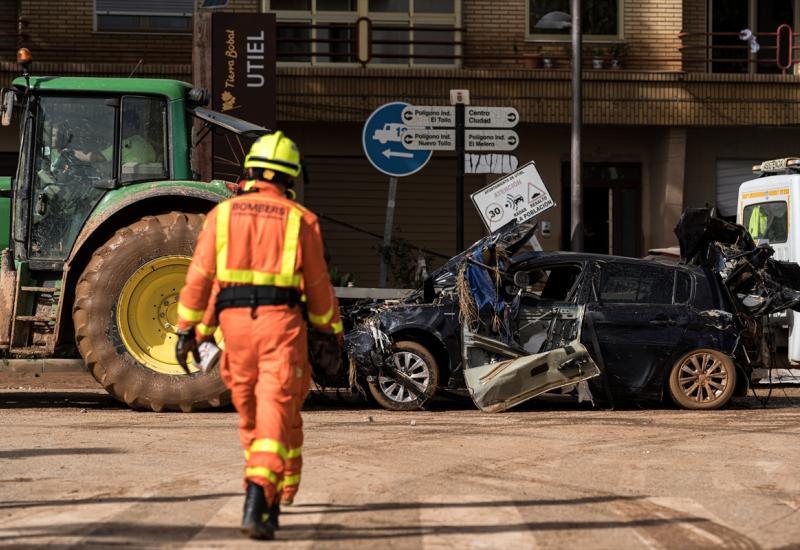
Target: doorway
[[612, 213]]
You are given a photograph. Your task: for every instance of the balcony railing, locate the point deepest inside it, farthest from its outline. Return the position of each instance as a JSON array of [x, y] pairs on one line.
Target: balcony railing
[[372, 43], [776, 52], [366, 42]]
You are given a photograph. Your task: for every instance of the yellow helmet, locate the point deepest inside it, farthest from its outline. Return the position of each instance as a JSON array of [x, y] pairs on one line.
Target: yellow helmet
[[274, 152]]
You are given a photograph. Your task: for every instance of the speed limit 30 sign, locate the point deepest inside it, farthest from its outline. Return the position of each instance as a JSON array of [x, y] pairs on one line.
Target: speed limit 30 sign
[[519, 196]]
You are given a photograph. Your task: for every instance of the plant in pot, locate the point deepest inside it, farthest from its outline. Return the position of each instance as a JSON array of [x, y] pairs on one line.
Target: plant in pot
[[618, 53], [532, 60], [598, 59]]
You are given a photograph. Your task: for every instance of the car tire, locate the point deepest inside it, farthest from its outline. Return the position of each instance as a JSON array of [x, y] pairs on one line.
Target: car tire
[[418, 363], [702, 379]]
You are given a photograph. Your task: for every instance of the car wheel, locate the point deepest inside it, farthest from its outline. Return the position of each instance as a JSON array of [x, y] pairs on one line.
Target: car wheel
[[415, 365], [703, 379]]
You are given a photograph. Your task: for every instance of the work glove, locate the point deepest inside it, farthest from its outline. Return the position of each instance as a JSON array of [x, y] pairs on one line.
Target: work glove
[[187, 342], [325, 352]]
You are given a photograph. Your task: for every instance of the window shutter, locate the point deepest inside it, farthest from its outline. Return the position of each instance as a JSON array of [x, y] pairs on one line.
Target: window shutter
[[145, 7]]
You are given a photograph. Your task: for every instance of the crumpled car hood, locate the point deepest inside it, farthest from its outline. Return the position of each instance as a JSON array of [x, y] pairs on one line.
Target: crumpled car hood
[[510, 240]]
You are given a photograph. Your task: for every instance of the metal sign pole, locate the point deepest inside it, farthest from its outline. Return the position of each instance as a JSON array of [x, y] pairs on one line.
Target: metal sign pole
[[387, 231], [576, 192], [459, 177]]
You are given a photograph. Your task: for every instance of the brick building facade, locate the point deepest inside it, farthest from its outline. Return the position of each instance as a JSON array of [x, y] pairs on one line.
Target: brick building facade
[[677, 125]]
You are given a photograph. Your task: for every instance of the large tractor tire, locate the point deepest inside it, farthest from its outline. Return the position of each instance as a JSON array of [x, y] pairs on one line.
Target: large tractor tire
[[125, 316]]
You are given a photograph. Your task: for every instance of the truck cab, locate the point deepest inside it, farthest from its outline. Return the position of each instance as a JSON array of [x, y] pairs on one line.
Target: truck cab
[[769, 208]]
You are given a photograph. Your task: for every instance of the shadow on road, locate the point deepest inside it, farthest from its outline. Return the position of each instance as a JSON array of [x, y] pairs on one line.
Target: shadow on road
[[27, 453], [330, 508], [120, 532], [332, 401], [337, 532], [113, 500], [59, 400]]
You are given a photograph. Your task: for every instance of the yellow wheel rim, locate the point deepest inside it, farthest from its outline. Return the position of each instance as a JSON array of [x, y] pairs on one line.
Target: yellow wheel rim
[[147, 313]]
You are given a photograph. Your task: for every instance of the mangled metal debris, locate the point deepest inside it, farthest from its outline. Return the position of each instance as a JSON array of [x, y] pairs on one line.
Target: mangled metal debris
[[504, 323]]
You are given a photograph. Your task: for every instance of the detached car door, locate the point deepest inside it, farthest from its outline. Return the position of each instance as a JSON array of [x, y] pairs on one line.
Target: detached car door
[[542, 350], [639, 321]]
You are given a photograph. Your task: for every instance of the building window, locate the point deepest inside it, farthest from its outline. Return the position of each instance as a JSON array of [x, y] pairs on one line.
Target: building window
[[729, 54], [401, 32], [552, 19], [165, 16]]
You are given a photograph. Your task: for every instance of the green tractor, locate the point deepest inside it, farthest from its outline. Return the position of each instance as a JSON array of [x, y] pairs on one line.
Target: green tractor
[[98, 227]]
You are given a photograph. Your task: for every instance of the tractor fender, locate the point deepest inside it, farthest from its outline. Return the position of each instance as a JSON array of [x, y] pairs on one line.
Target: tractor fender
[[114, 212], [107, 212]]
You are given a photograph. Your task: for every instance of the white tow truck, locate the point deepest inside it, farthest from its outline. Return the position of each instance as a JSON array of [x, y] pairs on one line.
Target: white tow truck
[[769, 208]]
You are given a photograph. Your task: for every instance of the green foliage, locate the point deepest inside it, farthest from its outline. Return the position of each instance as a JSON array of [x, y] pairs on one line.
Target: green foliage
[[339, 279]]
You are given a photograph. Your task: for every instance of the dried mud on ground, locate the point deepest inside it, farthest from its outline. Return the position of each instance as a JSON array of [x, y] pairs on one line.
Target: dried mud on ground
[[77, 468]]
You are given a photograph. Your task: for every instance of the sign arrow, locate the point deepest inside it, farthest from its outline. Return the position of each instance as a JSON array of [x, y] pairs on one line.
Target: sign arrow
[[490, 140], [388, 153], [385, 125], [491, 117]]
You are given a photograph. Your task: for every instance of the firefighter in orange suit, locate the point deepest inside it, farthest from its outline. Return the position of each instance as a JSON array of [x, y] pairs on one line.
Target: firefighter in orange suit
[[261, 255]]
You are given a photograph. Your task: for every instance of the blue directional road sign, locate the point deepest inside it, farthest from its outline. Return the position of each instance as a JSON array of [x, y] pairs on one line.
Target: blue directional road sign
[[382, 139]]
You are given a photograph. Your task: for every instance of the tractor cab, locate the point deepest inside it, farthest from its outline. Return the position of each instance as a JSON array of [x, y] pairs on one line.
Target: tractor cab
[[98, 227]]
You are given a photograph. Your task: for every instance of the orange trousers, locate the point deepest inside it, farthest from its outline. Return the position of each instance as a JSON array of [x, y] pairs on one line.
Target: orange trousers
[[265, 366]]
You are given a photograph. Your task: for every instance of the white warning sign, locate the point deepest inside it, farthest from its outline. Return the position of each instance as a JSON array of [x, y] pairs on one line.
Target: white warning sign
[[521, 196]]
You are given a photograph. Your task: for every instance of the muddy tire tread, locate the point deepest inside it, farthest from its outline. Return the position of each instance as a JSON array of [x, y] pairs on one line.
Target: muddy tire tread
[[107, 366]]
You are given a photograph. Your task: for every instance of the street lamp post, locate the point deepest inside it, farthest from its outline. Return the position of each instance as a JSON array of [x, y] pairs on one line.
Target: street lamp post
[[576, 192]]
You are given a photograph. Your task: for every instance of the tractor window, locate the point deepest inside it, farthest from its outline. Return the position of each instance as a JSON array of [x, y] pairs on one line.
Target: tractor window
[[68, 163], [142, 141]]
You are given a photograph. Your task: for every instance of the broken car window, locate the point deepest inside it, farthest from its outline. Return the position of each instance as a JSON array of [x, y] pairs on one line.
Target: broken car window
[[683, 287], [634, 284], [553, 284], [656, 285], [704, 295], [768, 221]]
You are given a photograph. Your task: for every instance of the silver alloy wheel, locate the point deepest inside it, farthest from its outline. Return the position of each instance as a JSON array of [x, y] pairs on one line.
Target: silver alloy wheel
[[415, 370], [702, 377]]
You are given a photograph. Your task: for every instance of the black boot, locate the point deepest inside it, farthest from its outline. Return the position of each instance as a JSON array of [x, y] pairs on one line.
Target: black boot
[[274, 513], [257, 521]]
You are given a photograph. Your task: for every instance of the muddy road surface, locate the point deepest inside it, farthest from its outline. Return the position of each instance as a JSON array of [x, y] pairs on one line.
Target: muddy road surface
[[77, 469]]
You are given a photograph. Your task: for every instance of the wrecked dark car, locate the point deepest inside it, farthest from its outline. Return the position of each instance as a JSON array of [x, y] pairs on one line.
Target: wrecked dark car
[[505, 324]]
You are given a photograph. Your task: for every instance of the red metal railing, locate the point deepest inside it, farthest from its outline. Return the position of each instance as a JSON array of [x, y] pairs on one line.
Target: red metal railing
[[726, 52]]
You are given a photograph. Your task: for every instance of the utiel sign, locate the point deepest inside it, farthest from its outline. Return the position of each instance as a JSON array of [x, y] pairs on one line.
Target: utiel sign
[[243, 79]]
